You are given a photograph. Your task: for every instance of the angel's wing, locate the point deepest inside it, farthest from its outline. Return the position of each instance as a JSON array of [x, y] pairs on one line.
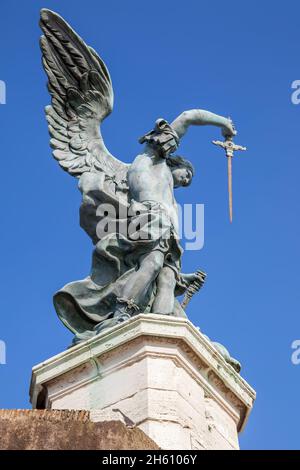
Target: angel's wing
[[82, 96]]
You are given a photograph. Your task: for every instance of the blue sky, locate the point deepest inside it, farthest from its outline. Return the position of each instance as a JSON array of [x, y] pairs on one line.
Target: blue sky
[[233, 58]]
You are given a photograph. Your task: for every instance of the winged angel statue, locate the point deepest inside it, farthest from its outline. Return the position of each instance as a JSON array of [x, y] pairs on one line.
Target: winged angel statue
[[136, 265]]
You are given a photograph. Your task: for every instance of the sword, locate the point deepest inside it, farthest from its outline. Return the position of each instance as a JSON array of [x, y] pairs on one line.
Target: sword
[[230, 147]]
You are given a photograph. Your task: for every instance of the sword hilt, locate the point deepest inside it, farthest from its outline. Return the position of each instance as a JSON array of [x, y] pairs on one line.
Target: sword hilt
[[229, 146]]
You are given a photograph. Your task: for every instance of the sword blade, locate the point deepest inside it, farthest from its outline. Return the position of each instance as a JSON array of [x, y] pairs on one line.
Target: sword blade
[[229, 164]]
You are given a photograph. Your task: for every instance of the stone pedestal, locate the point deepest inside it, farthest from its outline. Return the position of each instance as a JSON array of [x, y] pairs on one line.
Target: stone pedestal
[[155, 372]]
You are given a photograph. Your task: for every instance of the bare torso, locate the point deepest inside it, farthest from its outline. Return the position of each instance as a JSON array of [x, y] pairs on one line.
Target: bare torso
[[150, 179]]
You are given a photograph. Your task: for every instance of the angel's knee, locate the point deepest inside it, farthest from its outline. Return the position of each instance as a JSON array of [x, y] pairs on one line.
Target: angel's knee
[[154, 262]]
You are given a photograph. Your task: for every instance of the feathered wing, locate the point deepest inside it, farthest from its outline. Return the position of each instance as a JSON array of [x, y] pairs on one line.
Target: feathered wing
[[82, 97]]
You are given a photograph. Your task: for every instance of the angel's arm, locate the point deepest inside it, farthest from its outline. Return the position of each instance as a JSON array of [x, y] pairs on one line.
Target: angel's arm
[[200, 117]]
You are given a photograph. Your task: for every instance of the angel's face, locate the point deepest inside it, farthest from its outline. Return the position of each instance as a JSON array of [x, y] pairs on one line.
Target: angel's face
[[182, 176]]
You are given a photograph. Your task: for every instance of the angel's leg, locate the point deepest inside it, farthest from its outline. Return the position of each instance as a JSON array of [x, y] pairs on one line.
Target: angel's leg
[[138, 284], [164, 300]]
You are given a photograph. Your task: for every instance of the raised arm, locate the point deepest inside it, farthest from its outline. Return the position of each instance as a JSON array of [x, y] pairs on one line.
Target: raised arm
[[199, 117]]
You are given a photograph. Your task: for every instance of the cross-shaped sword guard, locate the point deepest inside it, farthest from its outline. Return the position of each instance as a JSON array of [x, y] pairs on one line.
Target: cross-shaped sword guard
[[229, 146]]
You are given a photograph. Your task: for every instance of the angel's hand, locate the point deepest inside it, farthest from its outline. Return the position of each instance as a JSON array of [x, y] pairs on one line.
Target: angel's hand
[[229, 130], [197, 277]]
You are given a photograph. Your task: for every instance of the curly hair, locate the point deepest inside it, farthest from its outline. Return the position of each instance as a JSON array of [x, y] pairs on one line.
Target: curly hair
[[180, 162]]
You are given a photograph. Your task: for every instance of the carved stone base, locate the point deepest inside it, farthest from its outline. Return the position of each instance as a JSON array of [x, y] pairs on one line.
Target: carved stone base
[[155, 372]]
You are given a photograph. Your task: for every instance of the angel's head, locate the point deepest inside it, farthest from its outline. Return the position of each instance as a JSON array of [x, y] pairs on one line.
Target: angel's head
[[182, 171]]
